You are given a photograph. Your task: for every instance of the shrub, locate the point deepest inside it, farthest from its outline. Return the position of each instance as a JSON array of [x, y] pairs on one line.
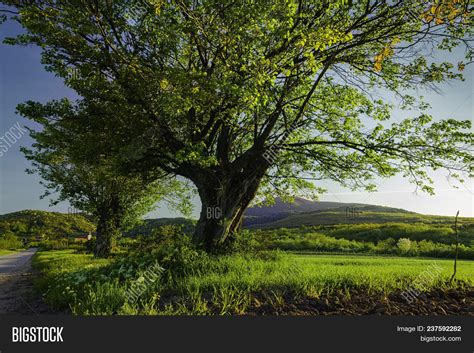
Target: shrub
[[317, 242], [170, 246], [9, 241], [417, 231], [55, 244], [404, 245], [245, 242]]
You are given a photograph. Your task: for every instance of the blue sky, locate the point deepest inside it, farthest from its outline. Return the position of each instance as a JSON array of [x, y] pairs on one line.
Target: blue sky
[[22, 77]]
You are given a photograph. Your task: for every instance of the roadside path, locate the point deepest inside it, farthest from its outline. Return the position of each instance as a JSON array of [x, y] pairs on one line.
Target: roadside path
[[16, 285], [14, 263]]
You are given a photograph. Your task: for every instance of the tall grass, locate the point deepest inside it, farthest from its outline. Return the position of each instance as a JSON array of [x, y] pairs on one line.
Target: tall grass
[[228, 284]]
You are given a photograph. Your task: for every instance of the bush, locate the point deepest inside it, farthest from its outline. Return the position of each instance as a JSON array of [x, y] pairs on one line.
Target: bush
[[54, 244], [404, 245], [245, 242], [316, 242], [63, 243], [170, 246], [418, 231], [125, 244], [306, 240], [386, 246], [9, 241]]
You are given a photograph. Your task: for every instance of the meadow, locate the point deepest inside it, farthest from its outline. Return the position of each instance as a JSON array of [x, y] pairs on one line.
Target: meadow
[[237, 283]]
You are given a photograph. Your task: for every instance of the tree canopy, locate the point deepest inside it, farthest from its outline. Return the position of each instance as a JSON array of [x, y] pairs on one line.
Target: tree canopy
[[242, 97], [68, 157]]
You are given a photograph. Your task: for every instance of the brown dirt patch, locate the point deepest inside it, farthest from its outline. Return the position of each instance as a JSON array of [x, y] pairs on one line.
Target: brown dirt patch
[[435, 302]]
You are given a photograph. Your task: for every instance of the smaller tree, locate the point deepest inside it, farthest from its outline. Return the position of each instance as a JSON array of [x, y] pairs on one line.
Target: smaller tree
[[404, 245], [74, 165]]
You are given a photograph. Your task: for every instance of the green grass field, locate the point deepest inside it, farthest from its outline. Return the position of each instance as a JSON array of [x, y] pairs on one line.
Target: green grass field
[[322, 272], [231, 284], [6, 252]]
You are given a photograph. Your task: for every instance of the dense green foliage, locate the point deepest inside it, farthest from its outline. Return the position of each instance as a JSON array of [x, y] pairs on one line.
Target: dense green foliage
[[147, 227], [440, 233], [243, 98], [38, 225], [10, 242], [314, 242], [76, 170], [49, 230], [431, 240]]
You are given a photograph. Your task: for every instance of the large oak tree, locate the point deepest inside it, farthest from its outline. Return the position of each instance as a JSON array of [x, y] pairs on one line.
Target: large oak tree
[[248, 96]]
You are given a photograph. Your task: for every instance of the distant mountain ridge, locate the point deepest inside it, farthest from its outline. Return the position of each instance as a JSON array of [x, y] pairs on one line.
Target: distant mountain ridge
[[298, 206], [313, 212], [302, 205]]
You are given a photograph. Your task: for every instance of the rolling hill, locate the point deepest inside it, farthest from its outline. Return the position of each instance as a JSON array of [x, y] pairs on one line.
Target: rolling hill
[[30, 223], [314, 213], [40, 224]]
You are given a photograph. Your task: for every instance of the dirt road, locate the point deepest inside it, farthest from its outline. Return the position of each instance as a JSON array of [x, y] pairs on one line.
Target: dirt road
[[16, 287], [15, 263]]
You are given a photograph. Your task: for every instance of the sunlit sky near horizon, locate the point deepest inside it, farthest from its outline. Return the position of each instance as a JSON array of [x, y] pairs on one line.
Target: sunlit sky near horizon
[[22, 77]]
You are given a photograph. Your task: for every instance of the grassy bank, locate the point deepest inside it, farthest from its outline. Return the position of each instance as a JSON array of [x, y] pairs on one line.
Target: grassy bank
[[7, 252], [233, 284]]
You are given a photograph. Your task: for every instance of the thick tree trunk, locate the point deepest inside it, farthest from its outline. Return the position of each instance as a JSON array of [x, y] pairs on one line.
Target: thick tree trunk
[[224, 202], [106, 234]]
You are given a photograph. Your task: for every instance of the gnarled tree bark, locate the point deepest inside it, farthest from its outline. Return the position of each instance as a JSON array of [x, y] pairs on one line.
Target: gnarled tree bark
[[224, 199]]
